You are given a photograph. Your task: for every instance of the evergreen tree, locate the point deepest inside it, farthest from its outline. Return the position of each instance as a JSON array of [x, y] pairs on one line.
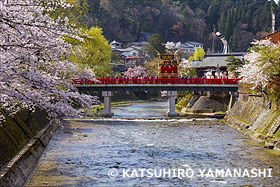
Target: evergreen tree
[[123, 20], [233, 63], [155, 45], [233, 41]]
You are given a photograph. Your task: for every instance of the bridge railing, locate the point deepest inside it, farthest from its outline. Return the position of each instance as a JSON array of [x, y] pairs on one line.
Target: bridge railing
[[155, 81]]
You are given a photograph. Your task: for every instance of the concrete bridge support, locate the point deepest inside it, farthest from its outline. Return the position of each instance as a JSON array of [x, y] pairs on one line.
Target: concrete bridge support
[[172, 96], [232, 100], [107, 103]]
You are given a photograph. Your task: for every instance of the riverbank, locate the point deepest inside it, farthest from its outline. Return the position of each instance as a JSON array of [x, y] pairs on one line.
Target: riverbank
[[247, 116], [255, 121], [98, 109], [24, 138], [203, 105]]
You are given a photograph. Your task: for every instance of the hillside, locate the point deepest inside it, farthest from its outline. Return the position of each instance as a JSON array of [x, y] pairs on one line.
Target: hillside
[[240, 21]]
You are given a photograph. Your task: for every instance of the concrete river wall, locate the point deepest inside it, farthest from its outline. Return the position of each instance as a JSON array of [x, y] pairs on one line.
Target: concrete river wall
[[23, 139], [252, 119]]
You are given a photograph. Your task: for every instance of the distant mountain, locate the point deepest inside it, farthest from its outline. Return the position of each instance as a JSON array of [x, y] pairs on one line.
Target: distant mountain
[[240, 21]]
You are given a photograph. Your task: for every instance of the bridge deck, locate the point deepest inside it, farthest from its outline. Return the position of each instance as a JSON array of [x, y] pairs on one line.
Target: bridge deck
[[153, 84]]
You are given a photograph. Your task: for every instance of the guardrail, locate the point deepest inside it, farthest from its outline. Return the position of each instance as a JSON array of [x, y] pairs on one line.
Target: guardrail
[[78, 81]]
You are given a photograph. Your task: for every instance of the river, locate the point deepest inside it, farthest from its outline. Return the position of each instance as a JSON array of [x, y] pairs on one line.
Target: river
[[140, 147]]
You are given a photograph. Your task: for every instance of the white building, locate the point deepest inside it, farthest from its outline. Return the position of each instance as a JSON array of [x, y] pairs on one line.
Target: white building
[[194, 45], [116, 45], [188, 47], [131, 51]]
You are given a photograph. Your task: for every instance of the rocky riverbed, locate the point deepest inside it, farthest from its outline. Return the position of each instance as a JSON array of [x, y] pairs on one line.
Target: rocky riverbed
[[101, 152]]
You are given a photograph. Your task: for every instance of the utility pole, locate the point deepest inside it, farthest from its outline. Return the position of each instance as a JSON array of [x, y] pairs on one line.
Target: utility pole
[[213, 40], [273, 20]]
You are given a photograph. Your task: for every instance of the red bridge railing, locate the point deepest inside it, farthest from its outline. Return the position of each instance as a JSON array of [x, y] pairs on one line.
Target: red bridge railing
[[155, 81]]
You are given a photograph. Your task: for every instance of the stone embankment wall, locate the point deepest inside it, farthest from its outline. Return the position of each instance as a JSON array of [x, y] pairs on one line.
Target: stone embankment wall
[[23, 139], [252, 119], [203, 103]]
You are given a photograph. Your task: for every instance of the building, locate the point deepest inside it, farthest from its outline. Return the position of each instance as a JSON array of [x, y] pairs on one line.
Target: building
[[116, 45], [194, 45], [131, 51], [143, 39], [274, 37], [186, 48], [132, 56], [213, 63], [133, 61]]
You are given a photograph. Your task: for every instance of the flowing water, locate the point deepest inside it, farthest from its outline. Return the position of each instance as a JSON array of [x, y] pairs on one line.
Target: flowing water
[[123, 152]]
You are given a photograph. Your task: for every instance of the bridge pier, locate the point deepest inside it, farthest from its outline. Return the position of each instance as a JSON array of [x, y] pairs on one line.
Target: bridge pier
[[171, 100], [232, 100], [107, 103]]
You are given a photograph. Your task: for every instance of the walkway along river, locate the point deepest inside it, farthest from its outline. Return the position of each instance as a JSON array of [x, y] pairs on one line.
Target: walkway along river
[[156, 152]]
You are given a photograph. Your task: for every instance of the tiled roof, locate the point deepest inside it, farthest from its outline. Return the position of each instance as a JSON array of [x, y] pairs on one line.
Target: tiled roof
[[126, 49], [115, 42], [194, 43], [146, 35], [214, 60], [183, 46], [274, 37], [133, 57], [139, 43]]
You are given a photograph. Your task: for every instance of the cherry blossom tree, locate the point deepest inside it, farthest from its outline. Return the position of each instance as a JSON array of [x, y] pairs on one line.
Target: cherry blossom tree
[[263, 68], [138, 71], [34, 72]]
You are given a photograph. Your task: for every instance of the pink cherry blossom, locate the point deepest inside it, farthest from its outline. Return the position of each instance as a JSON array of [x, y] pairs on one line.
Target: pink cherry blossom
[[138, 71], [34, 72]]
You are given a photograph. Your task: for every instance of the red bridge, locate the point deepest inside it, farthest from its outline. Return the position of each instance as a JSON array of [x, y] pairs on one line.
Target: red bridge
[[155, 81], [172, 85]]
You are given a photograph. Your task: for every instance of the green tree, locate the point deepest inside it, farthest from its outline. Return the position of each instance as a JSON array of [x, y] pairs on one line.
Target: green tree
[[115, 58], [151, 67], [198, 54], [263, 70], [94, 52], [213, 12], [233, 41], [75, 13], [221, 23], [233, 63], [155, 45], [270, 64], [229, 24], [191, 58]]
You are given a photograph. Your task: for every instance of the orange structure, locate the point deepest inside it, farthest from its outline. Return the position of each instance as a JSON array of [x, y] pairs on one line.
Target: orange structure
[[274, 37], [168, 66]]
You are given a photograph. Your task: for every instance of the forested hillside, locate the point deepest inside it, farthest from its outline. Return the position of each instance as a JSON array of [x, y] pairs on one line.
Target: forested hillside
[[238, 20]]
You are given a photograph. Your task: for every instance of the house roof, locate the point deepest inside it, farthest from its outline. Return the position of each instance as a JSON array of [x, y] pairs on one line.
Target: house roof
[[133, 57], [274, 37], [115, 42], [189, 45], [183, 46], [194, 43], [119, 67], [139, 43], [126, 49], [146, 35], [137, 48], [216, 60]]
